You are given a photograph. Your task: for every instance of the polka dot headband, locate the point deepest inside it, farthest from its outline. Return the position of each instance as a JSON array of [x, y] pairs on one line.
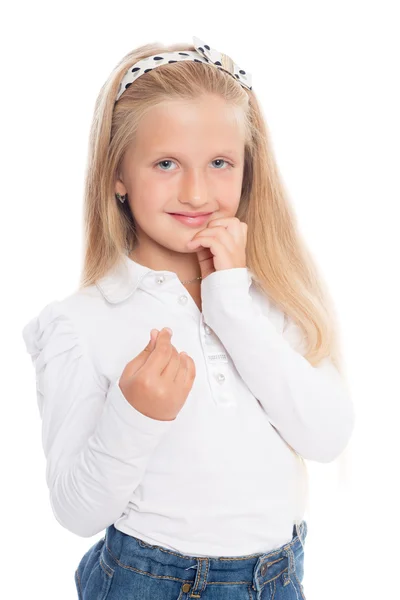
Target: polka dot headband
[[203, 53]]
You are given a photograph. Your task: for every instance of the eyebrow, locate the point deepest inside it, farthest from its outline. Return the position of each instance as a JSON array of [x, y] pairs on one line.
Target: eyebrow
[[166, 152]]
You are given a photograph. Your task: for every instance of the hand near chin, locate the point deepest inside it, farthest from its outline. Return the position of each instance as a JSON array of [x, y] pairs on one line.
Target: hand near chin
[[221, 245]]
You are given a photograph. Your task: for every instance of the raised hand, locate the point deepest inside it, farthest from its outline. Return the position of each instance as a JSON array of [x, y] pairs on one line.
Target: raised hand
[[157, 381]]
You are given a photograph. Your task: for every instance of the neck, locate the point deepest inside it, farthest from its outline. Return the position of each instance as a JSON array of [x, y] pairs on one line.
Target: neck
[[186, 266]]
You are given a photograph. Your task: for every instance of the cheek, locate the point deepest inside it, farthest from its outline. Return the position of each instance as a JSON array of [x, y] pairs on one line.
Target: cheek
[[149, 204], [227, 189], [149, 186], [229, 202]]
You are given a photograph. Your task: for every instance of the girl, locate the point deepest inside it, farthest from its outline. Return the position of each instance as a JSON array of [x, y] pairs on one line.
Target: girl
[[184, 383]]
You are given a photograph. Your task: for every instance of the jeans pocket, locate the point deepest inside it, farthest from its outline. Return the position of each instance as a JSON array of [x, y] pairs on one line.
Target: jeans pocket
[[299, 586], [98, 584], [94, 575]]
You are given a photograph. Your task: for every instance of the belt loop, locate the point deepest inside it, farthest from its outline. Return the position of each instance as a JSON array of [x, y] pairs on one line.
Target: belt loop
[[199, 585], [288, 552]]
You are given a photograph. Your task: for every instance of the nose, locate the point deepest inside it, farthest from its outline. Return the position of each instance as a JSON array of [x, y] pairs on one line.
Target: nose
[[194, 189]]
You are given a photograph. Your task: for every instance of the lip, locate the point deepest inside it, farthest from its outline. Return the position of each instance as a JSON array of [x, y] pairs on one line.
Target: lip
[[191, 221], [191, 214]]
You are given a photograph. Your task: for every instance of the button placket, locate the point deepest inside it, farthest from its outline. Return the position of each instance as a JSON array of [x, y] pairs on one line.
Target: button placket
[[223, 394], [208, 337], [217, 366]]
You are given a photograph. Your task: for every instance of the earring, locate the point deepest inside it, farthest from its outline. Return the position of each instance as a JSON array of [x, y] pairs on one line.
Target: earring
[[121, 198]]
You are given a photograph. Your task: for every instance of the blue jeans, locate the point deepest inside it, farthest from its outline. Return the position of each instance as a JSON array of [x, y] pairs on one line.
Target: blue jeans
[[123, 567]]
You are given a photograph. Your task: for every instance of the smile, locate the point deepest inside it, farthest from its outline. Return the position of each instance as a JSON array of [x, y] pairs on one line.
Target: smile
[[193, 221]]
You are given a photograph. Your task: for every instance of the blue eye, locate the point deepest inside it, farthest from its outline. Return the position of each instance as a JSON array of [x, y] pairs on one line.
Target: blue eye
[[164, 161], [221, 159], [171, 161]]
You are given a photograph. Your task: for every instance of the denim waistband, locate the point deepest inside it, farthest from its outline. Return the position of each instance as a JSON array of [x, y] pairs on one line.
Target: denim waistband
[[126, 551]]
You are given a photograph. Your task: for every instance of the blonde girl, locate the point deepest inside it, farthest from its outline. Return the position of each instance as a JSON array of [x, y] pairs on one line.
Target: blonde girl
[[196, 368]]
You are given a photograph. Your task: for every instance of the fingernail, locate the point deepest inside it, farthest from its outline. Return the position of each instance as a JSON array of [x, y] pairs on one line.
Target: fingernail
[[168, 329]]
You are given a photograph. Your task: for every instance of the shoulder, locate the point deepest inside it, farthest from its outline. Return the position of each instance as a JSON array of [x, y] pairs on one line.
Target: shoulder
[[75, 308], [61, 328]]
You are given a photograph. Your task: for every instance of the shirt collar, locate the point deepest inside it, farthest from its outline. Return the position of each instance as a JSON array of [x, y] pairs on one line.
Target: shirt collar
[[122, 280]]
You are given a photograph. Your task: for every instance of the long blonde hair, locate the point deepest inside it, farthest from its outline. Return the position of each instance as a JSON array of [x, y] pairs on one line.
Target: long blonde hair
[[277, 255]]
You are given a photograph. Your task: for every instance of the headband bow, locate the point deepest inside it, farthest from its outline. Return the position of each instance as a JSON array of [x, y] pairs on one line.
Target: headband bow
[[203, 53]]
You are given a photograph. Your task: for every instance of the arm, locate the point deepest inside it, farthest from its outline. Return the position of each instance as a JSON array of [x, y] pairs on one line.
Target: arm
[[309, 406], [97, 445]]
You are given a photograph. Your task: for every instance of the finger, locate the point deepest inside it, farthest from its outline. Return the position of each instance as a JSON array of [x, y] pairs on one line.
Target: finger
[[233, 225], [147, 350], [160, 356], [215, 245], [139, 361], [219, 233], [172, 367], [186, 374], [152, 343], [153, 336]]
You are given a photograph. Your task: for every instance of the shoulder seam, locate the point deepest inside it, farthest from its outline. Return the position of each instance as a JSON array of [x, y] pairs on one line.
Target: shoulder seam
[[95, 370]]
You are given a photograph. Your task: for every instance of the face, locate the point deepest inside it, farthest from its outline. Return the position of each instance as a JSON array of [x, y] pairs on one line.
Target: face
[[188, 156]]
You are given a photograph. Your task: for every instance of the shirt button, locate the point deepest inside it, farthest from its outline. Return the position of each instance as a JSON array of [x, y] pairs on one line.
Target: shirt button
[[208, 330], [221, 377], [160, 279], [183, 299]]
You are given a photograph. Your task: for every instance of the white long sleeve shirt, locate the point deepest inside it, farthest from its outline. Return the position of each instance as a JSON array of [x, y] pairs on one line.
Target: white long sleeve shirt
[[223, 478]]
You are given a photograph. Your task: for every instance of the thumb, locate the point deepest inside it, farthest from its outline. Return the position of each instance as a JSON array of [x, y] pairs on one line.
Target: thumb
[[152, 342], [133, 366], [206, 261], [142, 357]]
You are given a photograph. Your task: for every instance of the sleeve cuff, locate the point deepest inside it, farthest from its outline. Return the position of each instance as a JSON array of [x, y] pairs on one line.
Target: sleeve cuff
[[238, 277]]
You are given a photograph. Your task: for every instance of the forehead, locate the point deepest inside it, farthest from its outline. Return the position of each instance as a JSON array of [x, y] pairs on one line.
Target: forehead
[[208, 119]]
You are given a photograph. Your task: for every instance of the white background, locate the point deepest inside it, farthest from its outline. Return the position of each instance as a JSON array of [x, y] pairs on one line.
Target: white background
[[327, 76]]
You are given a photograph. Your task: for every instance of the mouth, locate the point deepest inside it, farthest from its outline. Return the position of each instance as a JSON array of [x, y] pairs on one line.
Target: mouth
[[188, 220]]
